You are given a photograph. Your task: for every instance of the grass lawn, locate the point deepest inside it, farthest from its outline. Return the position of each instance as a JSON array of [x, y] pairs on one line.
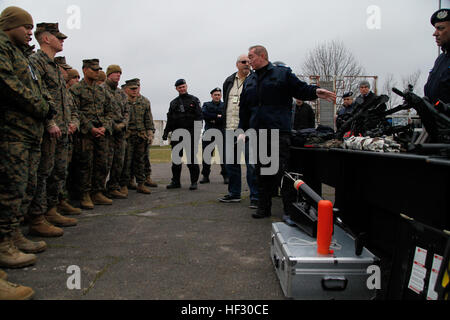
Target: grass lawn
[[160, 154]]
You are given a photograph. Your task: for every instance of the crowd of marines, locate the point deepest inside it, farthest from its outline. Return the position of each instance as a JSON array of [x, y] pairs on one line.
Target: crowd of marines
[[60, 136]]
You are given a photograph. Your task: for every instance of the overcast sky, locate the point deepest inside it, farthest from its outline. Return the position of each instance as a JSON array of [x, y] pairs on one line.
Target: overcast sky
[[199, 40]]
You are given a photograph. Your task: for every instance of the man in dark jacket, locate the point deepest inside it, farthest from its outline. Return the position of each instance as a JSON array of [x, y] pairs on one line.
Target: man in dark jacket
[[304, 117], [184, 111], [266, 103], [366, 95], [213, 115], [346, 111], [438, 85]]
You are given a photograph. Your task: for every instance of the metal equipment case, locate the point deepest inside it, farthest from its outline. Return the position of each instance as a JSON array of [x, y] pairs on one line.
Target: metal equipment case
[[306, 275]]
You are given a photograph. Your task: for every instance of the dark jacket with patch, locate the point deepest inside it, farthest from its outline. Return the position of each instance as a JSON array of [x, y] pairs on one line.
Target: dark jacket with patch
[[183, 112]]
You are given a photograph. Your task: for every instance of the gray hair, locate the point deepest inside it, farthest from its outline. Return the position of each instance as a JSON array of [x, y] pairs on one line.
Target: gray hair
[[364, 83], [241, 56]]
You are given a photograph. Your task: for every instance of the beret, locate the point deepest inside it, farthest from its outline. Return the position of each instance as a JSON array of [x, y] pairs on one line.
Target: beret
[[440, 16], [180, 82]]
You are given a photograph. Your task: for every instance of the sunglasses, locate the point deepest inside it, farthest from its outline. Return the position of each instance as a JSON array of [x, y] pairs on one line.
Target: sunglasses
[[244, 62]]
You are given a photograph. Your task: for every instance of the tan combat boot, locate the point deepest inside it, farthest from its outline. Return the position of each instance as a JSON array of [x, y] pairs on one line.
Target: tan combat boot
[[3, 275], [100, 199], [150, 183], [11, 291], [40, 227], [65, 208], [58, 220], [116, 194], [25, 245], [11, 257], [86, 202], [124, 190], [143, 189]]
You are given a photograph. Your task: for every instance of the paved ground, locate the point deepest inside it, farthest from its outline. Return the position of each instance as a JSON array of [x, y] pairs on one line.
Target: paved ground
[[169, 245]]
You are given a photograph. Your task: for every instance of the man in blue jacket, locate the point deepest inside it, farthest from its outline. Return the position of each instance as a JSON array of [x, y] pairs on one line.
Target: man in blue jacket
[[213, 116], [438, 84], [266, 103]]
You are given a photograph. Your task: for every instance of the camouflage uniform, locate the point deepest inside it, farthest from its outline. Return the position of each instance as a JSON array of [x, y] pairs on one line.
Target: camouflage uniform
[[24, 109], [137, 140], [95, 109], [148, 165], [117, 142], [53, 164]]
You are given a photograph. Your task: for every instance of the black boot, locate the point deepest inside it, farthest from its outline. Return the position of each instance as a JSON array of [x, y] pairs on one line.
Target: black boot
[[262, 214], [174, 185], [194, 186], [205, 180]]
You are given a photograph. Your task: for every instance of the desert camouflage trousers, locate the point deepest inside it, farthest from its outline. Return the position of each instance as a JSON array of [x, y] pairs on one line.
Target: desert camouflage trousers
[[93, 163], [51, 174], [134, 160], [18, 175], [116, 159]]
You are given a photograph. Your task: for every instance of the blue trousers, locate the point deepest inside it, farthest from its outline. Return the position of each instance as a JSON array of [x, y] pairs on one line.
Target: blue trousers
[[234, 172]]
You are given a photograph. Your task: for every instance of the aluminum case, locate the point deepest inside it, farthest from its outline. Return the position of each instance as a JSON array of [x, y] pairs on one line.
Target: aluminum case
[[306, 275]]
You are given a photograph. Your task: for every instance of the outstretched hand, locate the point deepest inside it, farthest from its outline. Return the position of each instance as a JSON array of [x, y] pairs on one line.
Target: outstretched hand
[[326, 95]]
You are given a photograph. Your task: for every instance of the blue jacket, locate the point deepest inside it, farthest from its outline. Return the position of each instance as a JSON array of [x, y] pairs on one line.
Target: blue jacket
[[438, 85], [266, 100], [210, 111]]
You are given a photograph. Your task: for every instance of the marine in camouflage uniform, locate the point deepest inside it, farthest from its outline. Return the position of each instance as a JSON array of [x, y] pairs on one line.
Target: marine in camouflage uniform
[[95, 106], [148, 166], [117, 142], [64, 206], [53, 164], [25, 107], [140, 131]]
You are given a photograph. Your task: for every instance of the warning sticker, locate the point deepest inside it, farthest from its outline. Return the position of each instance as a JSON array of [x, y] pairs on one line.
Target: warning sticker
[[437, 261], [418, 272]]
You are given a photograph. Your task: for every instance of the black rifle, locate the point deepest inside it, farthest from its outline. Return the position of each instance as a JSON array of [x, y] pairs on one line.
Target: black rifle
[[367, 119], [435, 119]]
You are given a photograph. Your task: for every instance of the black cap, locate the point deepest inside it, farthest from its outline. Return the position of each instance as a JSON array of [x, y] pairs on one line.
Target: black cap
[[440, 16], [180, 82], [279, 64], [347, 95], [216, 90]]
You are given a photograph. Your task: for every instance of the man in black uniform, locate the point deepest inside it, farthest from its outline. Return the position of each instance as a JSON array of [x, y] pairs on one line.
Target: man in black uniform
[[183, 112], [438, 85], [213, 116]]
